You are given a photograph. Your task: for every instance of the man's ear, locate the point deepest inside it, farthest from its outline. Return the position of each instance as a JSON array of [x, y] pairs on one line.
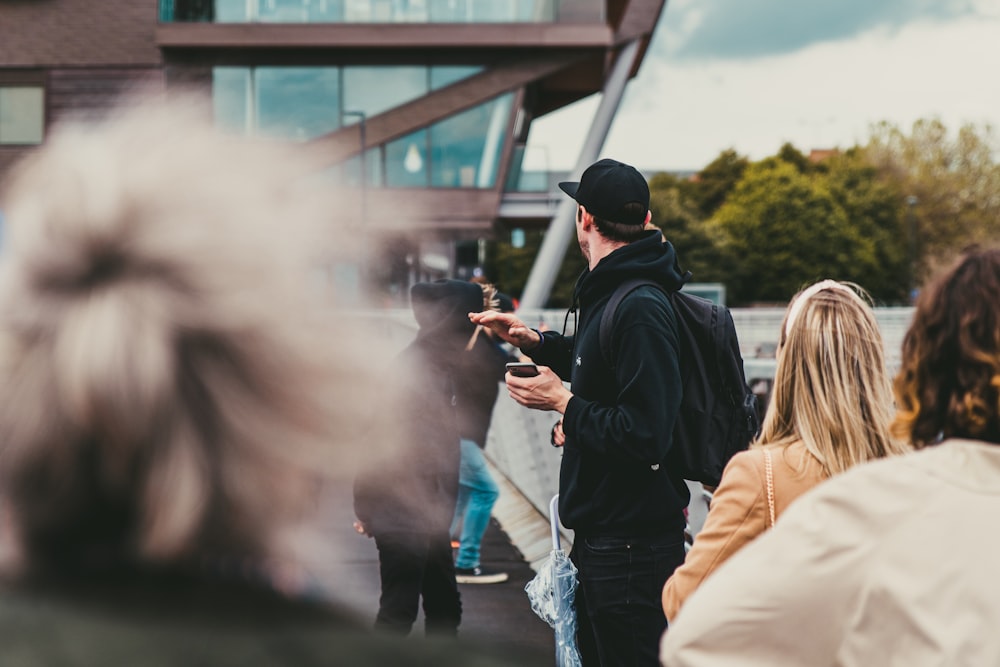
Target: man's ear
[[586, 219]]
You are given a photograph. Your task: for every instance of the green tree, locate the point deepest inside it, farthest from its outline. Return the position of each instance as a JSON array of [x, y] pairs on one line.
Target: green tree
[[949, 185], [711, 186], [781, 228], [681, 222], [872, 208], [793, 156]]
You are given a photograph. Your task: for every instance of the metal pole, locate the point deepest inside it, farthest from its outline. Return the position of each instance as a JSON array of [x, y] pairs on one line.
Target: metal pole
[[362, 118], [363, 209], [563, 225]]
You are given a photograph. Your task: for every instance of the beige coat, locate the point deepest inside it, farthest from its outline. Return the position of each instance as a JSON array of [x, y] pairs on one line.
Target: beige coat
[[895, 562], [740, 512]]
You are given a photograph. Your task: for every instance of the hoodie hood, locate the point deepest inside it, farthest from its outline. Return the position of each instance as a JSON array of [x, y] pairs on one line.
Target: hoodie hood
[[442, 308], [650, 257]]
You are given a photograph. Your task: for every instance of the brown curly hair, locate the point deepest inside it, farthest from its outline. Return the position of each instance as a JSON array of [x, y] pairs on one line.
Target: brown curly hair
[[949, 381]]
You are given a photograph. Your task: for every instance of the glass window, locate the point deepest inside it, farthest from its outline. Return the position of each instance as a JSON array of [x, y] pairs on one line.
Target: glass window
[[187, 10], [466, 148], [382, 11], [373, 90], [231, 11], [300, 11], [448, 74], [406, 161], [231, 99], [493, 11], [22, 114], [297, 103]]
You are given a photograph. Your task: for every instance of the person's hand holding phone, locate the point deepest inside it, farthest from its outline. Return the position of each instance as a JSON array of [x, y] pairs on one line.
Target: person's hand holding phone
[[544, 391]]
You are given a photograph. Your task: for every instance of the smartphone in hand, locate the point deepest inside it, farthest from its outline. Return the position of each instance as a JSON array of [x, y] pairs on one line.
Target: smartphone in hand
[[522, 369]]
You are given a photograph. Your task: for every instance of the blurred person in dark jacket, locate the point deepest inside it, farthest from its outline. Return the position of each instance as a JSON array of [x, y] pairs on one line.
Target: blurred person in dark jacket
[[405, 497], [170, 402]]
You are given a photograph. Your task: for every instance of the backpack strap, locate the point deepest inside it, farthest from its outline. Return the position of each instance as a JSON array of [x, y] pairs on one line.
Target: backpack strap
[[608, 316]]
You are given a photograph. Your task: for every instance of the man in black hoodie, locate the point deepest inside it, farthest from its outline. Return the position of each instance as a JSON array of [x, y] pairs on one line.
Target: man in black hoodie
[[625, 506], [405, 495]]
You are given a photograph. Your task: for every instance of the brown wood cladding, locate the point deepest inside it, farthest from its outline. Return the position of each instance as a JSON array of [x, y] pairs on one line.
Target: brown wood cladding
[[383, 36], [78, 33], [420, 209], [91, 92]]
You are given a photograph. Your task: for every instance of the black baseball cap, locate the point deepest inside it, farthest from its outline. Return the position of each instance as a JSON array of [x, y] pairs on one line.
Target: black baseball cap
[[606, 187]]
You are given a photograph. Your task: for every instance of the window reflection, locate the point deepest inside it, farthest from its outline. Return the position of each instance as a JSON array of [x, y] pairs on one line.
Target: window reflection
[[406, 161], [297, 103], [374, 90], [302, 103], [467, 147]]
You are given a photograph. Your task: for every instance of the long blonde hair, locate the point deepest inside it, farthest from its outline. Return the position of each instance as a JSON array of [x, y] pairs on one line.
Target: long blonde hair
[[167, 378], [831, 387]]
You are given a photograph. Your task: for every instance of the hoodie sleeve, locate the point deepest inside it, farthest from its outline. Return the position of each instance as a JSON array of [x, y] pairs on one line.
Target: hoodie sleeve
[[555, 352], [637, 424]]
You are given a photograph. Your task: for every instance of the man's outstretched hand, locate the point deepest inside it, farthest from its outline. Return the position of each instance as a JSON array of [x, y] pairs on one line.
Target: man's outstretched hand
[[509, 328]]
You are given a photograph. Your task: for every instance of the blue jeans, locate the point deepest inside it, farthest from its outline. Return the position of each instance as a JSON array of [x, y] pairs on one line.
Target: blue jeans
[[619, 613], [477, 493]]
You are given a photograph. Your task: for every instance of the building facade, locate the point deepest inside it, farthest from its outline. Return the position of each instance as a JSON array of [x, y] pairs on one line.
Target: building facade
[[419, 110]]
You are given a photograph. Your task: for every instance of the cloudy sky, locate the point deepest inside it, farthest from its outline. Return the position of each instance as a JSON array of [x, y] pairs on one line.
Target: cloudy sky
[[753, 74]]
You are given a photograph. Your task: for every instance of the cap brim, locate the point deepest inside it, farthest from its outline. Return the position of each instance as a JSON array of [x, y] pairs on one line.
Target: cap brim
[[570, 187]]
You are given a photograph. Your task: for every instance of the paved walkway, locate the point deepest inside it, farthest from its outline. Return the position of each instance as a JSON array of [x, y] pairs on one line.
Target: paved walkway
[[347, 566]]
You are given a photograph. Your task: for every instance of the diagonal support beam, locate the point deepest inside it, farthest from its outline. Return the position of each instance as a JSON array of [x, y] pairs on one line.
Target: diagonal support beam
[[345, 143], [563, 225]]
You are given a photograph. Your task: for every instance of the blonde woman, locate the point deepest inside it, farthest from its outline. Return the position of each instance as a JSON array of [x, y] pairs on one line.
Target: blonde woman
[[830, 410]]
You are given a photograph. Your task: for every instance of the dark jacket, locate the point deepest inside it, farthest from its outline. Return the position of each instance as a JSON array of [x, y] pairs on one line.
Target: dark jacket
[[482, 370], [157, 619], [412, 484], [618, 424]]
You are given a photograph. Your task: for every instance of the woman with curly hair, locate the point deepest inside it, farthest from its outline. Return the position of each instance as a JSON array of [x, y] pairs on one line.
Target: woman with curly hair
[[893, 562]]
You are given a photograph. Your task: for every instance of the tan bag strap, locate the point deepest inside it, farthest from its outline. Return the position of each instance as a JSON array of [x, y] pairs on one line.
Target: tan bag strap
[[769, 480]]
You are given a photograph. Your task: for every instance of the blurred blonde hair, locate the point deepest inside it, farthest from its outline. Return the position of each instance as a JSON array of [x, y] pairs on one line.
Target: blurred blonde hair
[[831, 387], [167, 379]]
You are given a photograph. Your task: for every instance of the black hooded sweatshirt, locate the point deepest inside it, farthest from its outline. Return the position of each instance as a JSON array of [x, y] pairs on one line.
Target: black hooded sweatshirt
[[411, 483], [618, 424]]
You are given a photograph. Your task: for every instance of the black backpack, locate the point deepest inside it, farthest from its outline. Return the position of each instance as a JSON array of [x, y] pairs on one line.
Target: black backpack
[[718, 413]]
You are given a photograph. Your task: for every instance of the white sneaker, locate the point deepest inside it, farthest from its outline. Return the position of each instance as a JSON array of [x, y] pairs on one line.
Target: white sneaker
[[477, 575]]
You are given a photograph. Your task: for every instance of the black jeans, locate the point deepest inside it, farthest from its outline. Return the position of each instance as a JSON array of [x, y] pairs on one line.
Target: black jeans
[[619, 613], [411, 566]]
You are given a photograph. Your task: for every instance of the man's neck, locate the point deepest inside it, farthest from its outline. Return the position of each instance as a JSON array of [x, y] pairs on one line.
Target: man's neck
[[601, 248]]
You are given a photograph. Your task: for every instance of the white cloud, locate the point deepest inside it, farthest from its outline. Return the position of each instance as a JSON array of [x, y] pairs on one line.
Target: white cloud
[[681, 116]]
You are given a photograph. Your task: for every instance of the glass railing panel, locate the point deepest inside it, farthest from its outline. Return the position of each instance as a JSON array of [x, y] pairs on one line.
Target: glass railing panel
[[466, 148], [382, 11], [529, 170]]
